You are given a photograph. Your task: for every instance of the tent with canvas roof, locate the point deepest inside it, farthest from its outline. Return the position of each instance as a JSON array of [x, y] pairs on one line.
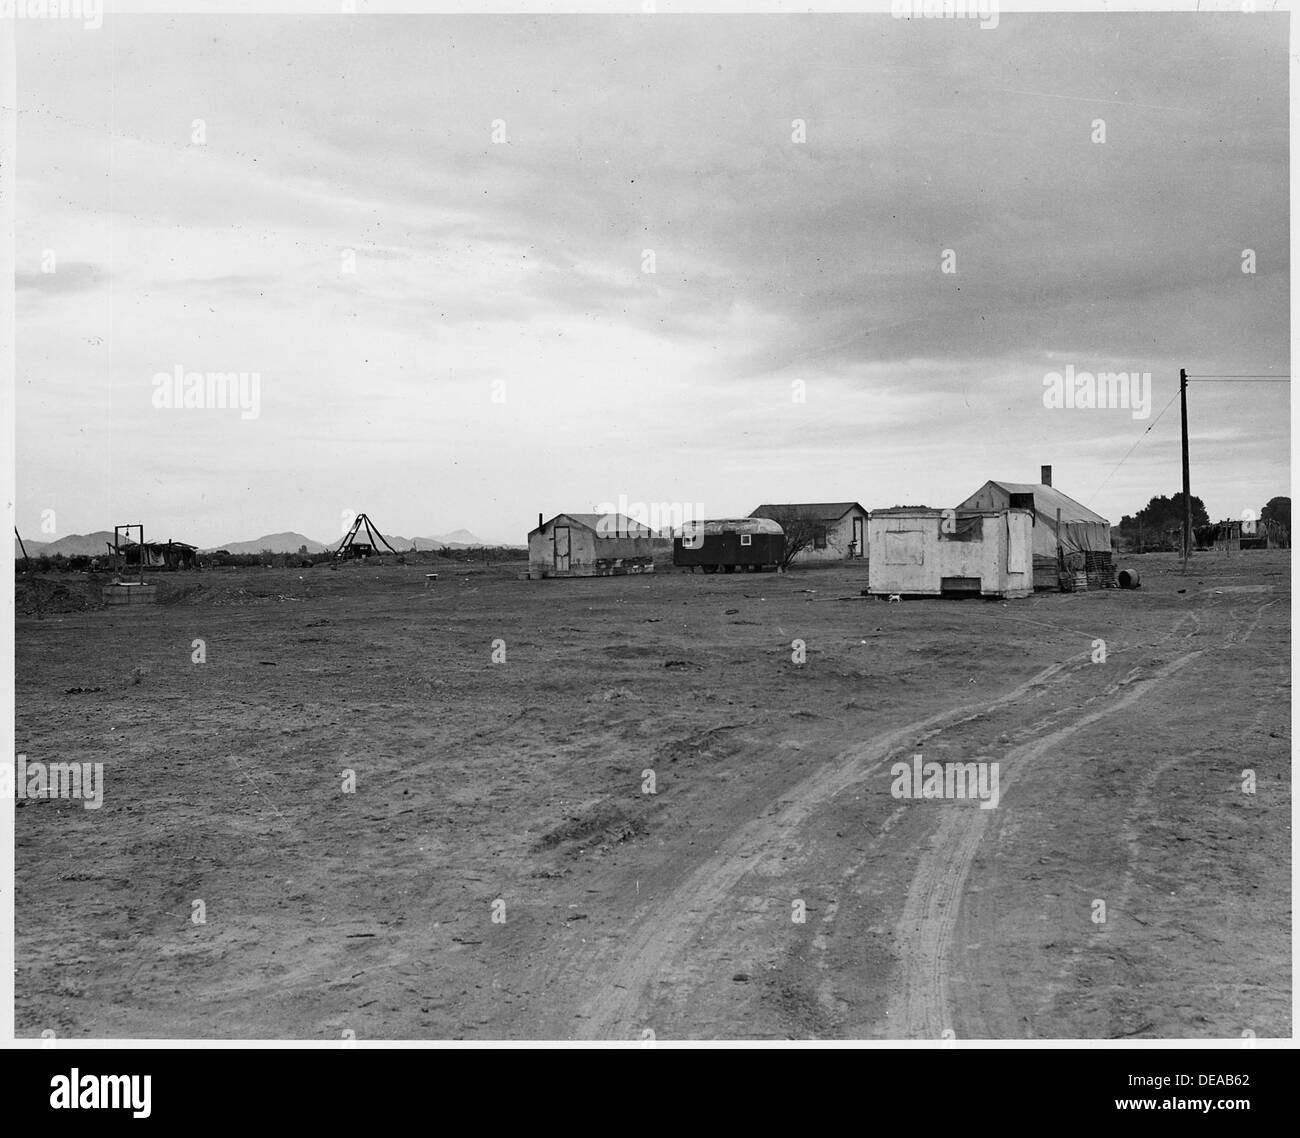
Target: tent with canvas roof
[[1082, 536]]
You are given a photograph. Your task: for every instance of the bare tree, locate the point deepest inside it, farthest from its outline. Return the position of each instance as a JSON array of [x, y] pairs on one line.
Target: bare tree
[[800, 533]]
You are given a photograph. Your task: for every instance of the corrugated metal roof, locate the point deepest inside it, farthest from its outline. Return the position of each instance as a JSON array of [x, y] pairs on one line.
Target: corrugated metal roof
[[811, 511], [1047, 500]]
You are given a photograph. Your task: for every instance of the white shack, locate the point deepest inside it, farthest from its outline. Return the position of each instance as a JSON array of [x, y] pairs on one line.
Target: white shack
[[591, 545], [920, 552]]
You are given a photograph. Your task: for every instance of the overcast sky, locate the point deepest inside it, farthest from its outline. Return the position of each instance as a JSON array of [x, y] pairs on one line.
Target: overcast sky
[[501, 351]]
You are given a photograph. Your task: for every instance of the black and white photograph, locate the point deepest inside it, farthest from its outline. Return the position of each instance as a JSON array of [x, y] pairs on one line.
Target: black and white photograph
[[650, 524]]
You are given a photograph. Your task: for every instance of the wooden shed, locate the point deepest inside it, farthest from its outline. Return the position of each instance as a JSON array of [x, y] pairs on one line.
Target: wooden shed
[[919, 552], [591, 545]]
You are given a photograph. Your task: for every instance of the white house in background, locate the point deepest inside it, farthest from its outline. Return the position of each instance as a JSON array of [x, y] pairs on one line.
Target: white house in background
[[840, 528]]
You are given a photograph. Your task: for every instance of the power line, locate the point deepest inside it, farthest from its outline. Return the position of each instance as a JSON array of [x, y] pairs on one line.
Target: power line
[[1131, 449], [1185, 379], [1182, 387]]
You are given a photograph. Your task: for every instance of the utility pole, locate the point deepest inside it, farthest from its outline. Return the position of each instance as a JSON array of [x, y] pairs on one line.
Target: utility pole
[[1187, 478]]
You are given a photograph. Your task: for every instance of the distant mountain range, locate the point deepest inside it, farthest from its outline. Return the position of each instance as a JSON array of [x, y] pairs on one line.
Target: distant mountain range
[[292, 542], [457, 539], [288, 542], [74, 545], [94, 544]]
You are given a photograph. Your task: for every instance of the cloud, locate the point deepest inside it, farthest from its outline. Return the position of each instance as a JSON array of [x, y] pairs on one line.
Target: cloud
[[63, 279], [775, 261]]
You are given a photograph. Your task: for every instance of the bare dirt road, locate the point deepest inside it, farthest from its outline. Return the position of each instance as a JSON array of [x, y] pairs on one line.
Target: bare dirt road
[[501, 869]]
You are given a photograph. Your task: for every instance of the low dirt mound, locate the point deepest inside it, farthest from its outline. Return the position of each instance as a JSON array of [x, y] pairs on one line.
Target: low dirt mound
[[224, 595], [604, 823], [39, 595], [715, 743]]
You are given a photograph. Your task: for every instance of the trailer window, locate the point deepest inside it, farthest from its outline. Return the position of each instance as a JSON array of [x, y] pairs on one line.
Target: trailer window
[[746, 539]]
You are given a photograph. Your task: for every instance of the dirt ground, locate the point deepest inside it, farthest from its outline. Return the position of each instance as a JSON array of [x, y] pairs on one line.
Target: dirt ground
[[501, 871]]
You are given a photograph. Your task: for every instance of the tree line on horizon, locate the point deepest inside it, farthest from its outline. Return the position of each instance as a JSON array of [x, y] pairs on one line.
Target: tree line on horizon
[[1152, 526]]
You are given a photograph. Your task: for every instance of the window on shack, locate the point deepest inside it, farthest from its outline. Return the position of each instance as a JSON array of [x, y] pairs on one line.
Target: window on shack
[[960, 528], [819, 537], [746, 539]]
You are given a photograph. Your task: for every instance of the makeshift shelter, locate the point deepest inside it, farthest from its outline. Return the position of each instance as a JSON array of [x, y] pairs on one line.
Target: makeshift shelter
[[1082, 536], [839, 529], [591, 545], [158, 555], [916, 551], [1233, 535]]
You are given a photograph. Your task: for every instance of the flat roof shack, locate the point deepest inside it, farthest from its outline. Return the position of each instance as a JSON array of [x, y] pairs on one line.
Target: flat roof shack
[[591, 545], [833, 530], [916, 551], [1084, 536], [729, 543]]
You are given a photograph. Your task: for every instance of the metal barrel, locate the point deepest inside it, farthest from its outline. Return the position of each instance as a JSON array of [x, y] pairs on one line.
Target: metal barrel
[[1128, 579]]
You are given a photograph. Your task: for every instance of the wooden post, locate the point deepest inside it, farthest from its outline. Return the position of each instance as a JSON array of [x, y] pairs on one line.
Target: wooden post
[[1187, 480], [1060, 561]]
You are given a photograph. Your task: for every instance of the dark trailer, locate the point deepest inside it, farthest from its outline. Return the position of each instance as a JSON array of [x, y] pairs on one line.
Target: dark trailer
[[748, 543]]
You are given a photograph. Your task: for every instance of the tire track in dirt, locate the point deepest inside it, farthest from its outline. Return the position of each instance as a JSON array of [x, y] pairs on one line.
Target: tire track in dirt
[[669, 928], [989, 987], [673, 924], [921, 1008]]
